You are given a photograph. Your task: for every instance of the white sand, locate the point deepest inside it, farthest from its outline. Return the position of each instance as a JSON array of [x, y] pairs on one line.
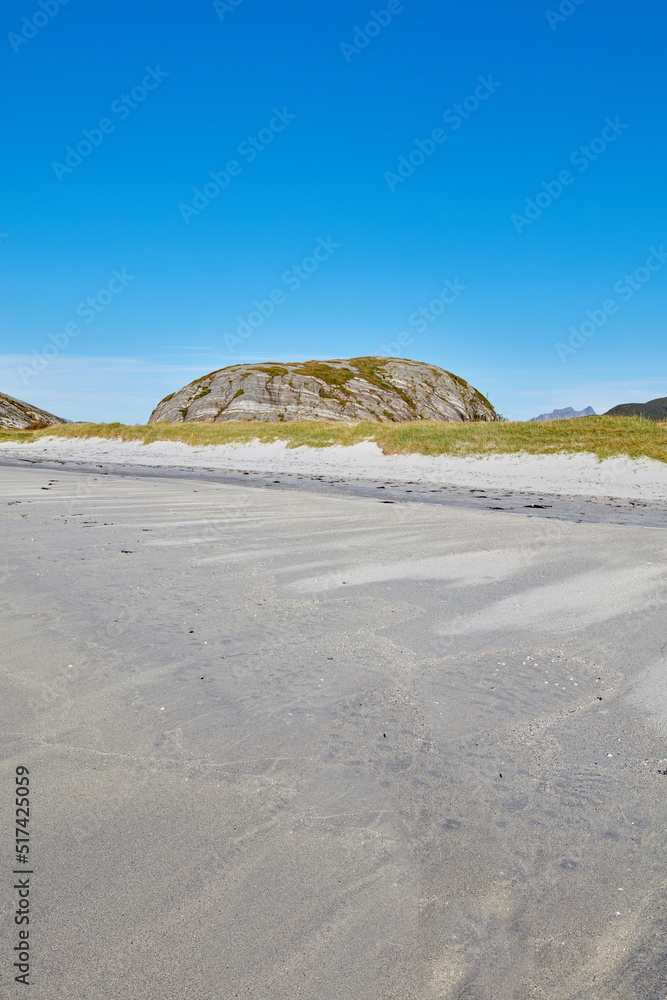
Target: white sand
[[576, 475]]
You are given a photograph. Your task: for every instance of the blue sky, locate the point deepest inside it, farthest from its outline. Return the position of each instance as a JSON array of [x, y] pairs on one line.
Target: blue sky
[[540, 198]]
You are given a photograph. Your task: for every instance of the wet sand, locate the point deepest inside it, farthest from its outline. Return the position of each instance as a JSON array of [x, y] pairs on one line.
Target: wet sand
[[287, 743], [584, 500]]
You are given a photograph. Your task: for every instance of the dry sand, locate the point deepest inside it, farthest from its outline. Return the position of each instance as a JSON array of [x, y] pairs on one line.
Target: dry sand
[[286, 745], [576, 475], [566, 487]]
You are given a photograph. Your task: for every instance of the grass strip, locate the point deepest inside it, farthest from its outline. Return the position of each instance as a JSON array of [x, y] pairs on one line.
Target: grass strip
[[605, 437]]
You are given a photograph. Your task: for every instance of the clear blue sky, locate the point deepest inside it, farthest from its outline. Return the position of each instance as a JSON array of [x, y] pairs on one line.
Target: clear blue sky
[[180, 88]]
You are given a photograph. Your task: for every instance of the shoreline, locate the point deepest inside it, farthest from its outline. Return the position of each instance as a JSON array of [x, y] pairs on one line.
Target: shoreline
[[563, 487]]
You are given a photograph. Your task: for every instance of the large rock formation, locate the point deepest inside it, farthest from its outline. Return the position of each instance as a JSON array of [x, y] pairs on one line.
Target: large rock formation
[[358, 389], [17, 415], [655, 409]]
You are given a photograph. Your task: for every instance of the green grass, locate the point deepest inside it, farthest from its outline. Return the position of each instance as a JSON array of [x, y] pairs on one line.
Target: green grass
[[601, 436]]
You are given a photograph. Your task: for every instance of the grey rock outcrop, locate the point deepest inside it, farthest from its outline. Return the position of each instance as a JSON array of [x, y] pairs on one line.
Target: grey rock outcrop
[[567, 414], [373, 388], [16, 415]]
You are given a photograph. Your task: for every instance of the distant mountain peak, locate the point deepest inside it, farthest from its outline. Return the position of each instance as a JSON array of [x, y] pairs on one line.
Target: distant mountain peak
[[655, 409], [565, 414]]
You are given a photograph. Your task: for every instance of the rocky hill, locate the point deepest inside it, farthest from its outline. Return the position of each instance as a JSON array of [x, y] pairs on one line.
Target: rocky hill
[[567, 414], [655, 409], [372, 388], [17, 415]]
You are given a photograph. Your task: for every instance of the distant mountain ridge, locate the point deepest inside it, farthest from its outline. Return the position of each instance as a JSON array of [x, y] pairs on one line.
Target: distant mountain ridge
[[565, 414], [17, 415], [655, 409]]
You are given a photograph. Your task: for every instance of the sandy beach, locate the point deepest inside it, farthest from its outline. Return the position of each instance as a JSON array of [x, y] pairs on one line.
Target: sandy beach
[[333, 502], [285, 744], [574, 475]]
